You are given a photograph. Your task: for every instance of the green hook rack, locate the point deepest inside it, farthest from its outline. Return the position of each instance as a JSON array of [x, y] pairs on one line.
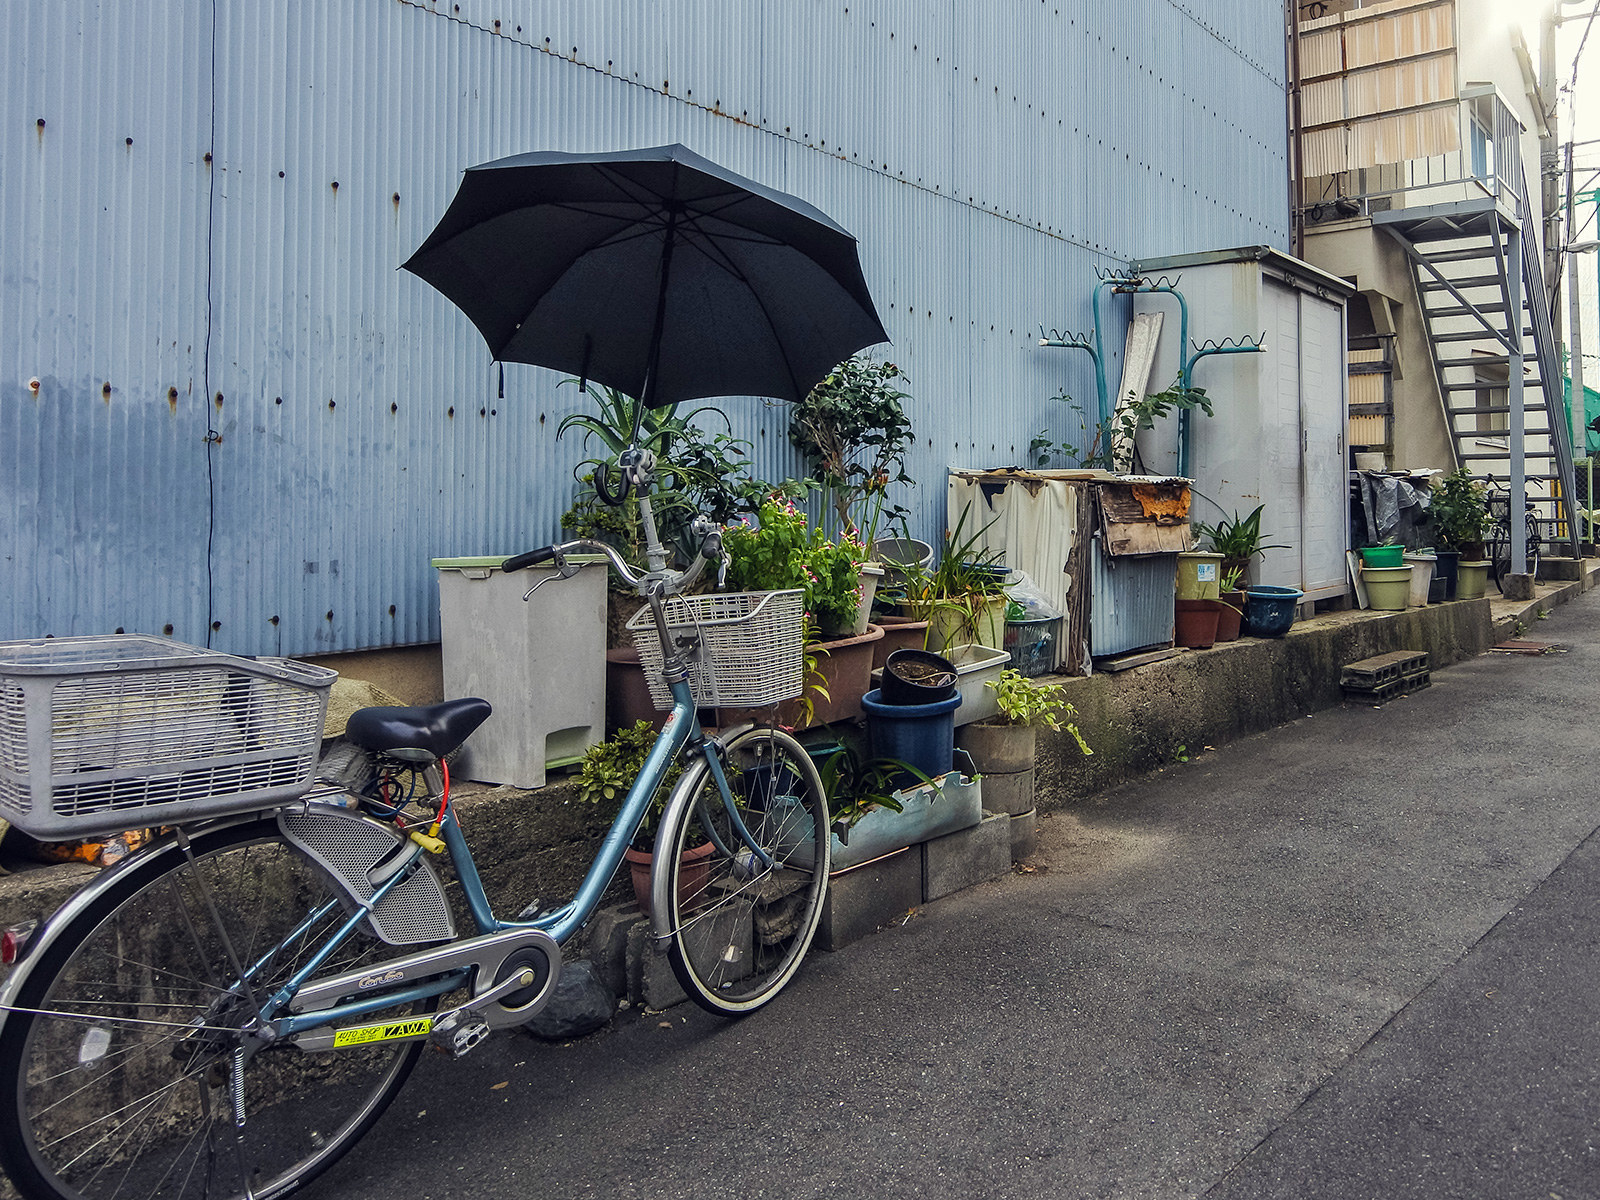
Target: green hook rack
[[1189, 353]]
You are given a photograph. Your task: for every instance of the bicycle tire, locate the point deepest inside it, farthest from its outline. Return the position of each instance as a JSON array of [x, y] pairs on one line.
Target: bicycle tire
[[737, 932], [115, 1060]]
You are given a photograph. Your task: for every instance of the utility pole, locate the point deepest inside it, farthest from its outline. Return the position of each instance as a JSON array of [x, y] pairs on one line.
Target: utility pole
[[1575, 361], [1550, 162]]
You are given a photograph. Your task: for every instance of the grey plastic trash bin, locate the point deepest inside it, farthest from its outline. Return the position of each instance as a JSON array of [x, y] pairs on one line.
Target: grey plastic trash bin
[[540, 663]]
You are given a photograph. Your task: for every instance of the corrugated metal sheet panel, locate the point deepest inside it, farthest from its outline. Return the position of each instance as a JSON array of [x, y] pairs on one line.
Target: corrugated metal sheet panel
[[987, 158], [1367, 431], [1131, 605]]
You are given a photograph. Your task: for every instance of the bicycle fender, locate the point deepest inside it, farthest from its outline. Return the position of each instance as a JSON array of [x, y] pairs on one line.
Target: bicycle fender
[[683, 794]]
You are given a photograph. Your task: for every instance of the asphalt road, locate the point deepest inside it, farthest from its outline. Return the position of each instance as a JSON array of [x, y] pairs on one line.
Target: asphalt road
[[1352, 957]]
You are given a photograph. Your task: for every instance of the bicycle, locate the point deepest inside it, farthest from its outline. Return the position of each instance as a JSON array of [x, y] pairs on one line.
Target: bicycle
[[1498, 543], [232, 1008]]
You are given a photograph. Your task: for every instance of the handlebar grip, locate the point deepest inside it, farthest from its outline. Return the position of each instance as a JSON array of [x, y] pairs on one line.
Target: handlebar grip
[[531, 559]]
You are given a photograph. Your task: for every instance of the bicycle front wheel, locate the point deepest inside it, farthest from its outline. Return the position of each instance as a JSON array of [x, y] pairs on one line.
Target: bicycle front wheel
[[120, 1059], [740, 926]]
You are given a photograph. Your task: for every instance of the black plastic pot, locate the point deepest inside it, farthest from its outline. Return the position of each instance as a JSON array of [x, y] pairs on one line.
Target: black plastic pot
[[934, 678], [1444, 571]]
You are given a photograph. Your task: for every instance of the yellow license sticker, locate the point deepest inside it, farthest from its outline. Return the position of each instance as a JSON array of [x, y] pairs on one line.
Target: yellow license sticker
[[386, 1031]]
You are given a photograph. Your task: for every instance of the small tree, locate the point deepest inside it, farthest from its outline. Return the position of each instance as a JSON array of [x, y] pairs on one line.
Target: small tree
[[854, 434]]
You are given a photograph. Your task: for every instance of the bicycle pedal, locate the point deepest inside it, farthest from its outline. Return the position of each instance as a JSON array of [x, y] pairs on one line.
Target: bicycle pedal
[[459, 1034]]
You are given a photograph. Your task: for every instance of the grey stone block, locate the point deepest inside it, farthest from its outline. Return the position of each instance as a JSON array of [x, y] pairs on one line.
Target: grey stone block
[[651, 981], [1517, 587], [1024, 834], [1008, 793], [968, 856], [865, 898], [606, 943], [1562, 570]]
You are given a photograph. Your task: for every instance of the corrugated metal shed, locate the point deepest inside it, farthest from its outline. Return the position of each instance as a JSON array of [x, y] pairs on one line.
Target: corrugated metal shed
[[228, 416]]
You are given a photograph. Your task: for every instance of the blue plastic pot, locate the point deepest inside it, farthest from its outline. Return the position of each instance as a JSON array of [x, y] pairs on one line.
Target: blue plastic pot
[[1268, 610], [920, 735]]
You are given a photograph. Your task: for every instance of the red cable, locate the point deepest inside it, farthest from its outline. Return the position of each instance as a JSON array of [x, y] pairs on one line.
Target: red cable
[[444, 800]]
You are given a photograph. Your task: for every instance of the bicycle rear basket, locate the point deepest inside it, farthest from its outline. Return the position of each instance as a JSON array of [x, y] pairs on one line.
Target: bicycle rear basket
[[744, 649], [100, 734]]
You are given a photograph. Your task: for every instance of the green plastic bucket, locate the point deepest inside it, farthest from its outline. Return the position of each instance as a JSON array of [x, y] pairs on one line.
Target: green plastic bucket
[[1382, 556], [1199, 575]]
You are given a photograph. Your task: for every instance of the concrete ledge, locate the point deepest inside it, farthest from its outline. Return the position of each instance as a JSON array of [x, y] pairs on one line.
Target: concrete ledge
[[1147, 717]]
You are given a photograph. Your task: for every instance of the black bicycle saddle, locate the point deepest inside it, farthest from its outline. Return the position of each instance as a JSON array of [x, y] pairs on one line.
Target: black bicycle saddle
[[436, 728]]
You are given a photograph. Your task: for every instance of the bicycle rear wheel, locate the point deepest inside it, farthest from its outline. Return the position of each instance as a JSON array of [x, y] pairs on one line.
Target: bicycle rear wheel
[[117, 1061], [739, 927]]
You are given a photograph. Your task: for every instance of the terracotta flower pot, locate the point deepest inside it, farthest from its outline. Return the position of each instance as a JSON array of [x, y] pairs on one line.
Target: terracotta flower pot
[[693, 873], [627, 692], [899, 633], [1230, 617], [1195, 623]]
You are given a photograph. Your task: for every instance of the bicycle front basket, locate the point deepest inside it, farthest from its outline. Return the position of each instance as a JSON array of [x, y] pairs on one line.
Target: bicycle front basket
[[744, 649]]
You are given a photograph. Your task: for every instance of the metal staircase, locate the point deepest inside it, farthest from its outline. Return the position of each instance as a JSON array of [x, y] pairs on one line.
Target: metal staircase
[[1487, 325]]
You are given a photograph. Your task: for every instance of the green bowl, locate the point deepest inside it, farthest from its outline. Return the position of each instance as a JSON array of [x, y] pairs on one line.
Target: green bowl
[[1383, 556]]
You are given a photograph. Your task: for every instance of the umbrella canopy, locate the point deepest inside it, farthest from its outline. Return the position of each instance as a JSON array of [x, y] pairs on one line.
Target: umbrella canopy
[[654, 271]]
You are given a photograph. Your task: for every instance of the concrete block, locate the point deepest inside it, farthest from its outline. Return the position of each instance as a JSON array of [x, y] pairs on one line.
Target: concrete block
[[968, 856], [1024, 834], [606, 940], [1008, 793], [865, 898], [1564, 570], [652, 982], [1517, 587]]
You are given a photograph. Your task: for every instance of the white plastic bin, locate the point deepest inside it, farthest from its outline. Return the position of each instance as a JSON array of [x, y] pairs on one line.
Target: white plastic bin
[[541, 664]]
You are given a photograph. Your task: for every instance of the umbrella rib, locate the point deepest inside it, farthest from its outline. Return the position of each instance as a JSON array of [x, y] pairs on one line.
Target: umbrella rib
[[712, 252]]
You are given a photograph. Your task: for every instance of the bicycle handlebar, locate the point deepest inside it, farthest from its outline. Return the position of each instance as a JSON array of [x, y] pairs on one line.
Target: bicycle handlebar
[[672, 581], [531, 559]]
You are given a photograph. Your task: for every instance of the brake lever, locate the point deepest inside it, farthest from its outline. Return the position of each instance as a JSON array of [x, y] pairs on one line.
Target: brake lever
[[563, 570]]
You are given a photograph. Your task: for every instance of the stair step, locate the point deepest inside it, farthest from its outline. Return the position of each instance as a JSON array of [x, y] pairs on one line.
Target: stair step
[[1485, 360], [1482, 386], [1485, 251], [1462, 310], [1466, 281], [1473, 335], [1491, 409]]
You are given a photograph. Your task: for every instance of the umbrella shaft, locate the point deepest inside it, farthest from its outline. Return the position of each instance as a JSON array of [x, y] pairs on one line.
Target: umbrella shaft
[[654, 359]]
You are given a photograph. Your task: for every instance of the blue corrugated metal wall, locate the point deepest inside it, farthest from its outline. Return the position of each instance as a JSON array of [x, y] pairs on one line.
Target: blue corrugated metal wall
[[227, 415]]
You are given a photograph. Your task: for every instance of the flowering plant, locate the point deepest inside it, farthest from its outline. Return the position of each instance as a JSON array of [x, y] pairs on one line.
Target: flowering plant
[[783, 551]]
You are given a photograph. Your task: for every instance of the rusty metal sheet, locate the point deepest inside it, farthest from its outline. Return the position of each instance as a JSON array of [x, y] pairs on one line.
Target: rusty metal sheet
[[1144, 516]]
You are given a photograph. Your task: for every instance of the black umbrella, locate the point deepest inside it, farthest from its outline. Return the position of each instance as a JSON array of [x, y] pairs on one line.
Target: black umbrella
[[654, 271]]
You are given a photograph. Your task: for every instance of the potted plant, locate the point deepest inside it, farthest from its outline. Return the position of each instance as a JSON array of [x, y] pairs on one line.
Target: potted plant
[[962, 597], [852, 430], [780, 550], [1002, 747], [605, 774], [854, 434], [697, 472], [881, 804], [1459, 509], [1238, 540]]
